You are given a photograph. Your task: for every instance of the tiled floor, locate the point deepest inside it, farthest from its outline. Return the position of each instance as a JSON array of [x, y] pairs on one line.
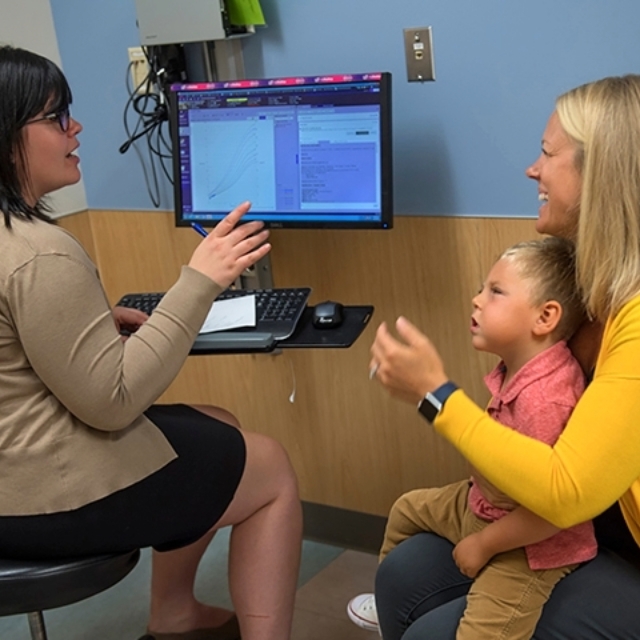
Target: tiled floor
[[329, 577], [321, 603]]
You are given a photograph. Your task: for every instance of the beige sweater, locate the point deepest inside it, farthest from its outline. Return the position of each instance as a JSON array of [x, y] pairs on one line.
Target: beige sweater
[[72, 393]]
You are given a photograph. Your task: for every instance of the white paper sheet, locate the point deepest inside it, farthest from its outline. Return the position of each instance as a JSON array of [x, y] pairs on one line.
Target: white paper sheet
[[231, 314]]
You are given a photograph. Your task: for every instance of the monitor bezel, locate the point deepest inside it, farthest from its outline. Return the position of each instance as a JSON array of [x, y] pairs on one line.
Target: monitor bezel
[[385, 221]]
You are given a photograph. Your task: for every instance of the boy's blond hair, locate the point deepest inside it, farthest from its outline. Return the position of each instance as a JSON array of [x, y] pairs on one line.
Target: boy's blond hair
[[549, 267]]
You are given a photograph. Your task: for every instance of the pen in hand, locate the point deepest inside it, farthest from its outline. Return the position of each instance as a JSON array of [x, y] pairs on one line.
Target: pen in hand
[[199, 229]]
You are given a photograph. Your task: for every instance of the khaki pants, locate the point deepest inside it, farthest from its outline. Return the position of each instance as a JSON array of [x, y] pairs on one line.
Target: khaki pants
[[506, 598]]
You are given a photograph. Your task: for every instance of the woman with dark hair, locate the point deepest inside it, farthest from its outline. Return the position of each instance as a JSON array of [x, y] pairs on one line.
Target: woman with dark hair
[[30, 83], [88, 464]]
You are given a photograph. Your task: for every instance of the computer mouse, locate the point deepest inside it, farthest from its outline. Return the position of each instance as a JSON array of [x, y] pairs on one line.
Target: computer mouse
[[328, 315]]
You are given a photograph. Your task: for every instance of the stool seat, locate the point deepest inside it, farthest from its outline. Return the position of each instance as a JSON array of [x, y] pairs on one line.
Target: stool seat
[[28, 586]]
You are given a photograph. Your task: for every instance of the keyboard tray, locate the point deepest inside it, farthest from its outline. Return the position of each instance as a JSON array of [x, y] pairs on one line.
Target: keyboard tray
[[305, 335]]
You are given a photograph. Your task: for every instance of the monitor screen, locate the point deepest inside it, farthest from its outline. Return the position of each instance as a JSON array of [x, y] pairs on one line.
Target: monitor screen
[[307, 152]]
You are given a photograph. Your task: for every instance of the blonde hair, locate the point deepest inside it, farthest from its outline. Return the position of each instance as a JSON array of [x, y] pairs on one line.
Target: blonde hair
[[549, 267], [603, 120]]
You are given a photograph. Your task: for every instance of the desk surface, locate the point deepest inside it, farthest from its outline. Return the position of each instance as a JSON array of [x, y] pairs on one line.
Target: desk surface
[[306, 336]]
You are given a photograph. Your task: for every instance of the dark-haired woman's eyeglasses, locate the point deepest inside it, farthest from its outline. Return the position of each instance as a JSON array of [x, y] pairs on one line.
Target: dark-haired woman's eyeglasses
[[62, 117]]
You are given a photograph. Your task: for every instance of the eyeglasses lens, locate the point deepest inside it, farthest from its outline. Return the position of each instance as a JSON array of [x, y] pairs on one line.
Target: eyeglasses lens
[[64, 119]]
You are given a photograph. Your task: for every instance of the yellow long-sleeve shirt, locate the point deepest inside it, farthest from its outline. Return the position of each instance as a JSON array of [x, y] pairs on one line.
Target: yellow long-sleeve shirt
[[596, 460]]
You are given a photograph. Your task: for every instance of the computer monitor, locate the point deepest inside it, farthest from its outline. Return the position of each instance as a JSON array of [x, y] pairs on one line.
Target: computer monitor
[[308, 152]]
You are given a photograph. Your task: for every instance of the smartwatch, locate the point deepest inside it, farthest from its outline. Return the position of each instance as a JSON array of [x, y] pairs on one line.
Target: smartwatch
[[431, 405]]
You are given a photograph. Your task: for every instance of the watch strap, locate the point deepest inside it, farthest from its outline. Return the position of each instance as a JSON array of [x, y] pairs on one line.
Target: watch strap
[[431, 405]]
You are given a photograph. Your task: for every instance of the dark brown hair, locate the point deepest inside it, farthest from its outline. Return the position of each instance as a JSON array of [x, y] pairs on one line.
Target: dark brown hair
[[29, 85]]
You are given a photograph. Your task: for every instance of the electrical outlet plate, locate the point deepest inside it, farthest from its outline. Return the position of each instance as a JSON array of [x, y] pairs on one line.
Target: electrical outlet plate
[[418, 51], [139, 68]]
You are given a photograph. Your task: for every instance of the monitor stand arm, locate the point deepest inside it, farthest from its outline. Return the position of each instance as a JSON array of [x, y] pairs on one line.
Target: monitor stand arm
[[257, 277]]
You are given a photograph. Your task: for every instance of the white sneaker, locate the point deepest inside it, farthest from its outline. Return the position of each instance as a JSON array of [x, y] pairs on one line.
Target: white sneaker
[[362, 611]]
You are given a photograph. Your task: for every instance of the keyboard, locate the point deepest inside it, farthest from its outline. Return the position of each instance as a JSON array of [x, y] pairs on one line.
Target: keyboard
[[277, 311]]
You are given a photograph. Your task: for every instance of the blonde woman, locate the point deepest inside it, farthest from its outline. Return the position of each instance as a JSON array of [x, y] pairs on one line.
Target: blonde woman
[[588, 177]]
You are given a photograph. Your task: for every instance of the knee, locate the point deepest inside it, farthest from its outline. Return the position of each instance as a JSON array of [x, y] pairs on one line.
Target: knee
[[403, 504], [408, 498], [389, 571], [218, 413], [416, 557], [229, 418], [271, 459]]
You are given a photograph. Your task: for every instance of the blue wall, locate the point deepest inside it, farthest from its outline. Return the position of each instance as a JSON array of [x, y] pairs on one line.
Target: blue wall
[[461, 143]]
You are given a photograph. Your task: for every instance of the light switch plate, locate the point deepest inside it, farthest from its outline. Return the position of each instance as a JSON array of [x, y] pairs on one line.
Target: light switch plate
[[418, 51]]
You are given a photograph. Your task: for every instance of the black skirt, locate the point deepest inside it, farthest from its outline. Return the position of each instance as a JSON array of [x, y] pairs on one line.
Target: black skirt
[[171, 508]]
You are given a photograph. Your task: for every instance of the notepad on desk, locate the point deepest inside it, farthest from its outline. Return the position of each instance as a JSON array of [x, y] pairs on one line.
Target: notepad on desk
[[219, 330], [233, 313]]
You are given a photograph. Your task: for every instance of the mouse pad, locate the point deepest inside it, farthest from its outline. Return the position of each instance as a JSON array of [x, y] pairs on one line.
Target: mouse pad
[[306, 335]]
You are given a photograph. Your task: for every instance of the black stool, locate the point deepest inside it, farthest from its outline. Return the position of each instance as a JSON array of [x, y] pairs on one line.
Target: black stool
[[32, 586]]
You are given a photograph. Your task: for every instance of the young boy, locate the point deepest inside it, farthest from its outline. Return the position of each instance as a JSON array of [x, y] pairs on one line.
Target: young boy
[[525, 311]]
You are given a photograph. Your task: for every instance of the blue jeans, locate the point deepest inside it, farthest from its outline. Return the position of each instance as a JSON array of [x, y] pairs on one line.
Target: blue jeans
[[420, 595]]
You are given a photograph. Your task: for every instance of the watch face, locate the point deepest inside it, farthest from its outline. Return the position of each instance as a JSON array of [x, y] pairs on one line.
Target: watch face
[[433, 402], [428, 409]]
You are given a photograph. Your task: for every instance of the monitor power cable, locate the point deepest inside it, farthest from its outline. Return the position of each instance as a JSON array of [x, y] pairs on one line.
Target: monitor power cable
[[146, 116]]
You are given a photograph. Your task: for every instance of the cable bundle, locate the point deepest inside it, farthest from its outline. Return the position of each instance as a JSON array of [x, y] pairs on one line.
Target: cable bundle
[[145, 116]]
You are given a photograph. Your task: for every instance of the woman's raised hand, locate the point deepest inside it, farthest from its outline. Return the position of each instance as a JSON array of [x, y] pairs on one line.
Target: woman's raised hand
[[408, 367], [231, 248]]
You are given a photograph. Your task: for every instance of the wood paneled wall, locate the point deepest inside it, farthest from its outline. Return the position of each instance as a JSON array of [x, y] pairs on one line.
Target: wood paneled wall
[[352, 446]]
